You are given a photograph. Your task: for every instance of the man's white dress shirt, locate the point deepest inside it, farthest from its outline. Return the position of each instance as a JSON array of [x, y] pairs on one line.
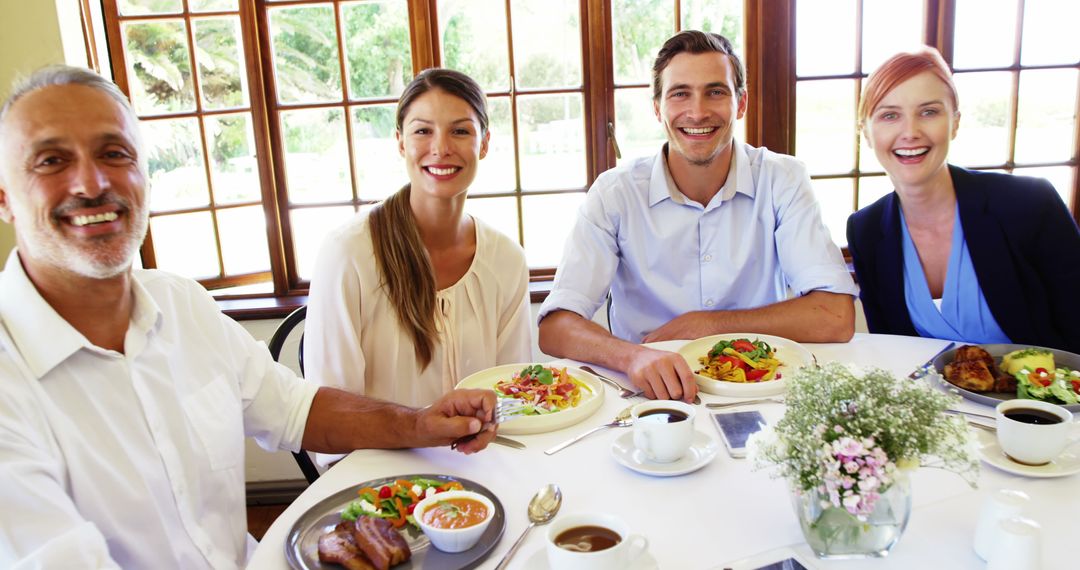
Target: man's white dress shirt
[[133, 460], [354, 340], [661, 254]]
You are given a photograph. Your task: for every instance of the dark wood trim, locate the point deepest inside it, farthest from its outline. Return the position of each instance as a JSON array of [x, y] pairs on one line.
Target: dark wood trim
[[424, 38], [770, 49], [255, 308], [89, 42], [597, 73]]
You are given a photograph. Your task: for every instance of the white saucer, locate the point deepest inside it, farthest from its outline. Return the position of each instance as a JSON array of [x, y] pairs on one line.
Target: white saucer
[[1068, 463], [702, 450], [539, 561]]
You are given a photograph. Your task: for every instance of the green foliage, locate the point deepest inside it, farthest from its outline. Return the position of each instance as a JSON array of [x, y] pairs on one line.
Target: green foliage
[[378, 48], [906, 418]]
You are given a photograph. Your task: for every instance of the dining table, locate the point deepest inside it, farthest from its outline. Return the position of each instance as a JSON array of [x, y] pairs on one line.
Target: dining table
[[727, 511]]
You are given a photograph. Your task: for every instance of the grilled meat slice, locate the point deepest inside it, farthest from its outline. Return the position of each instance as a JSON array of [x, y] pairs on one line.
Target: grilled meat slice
[[971, 352], [1005, 383], [971, 375], [338, 547], [382, 544]]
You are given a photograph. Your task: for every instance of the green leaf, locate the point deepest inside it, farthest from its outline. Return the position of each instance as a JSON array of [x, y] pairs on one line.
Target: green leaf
[[545, 377]]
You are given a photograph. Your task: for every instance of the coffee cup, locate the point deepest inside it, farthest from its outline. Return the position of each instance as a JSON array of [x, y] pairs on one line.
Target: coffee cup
[[593, 541], [663, 429], [1032, 432]]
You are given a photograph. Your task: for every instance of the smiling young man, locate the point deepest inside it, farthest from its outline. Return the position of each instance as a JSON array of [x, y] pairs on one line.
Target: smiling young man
[[708, 236], [126, 395]]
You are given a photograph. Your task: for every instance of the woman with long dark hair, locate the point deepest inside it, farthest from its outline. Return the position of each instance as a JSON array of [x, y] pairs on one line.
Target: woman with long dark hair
[[413, 296]]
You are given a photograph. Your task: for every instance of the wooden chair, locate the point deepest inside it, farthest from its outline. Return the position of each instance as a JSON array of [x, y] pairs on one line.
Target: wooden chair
[[277, 343]]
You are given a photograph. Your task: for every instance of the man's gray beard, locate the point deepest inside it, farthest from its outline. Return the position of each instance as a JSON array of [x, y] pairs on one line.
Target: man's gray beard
[[62, 254]]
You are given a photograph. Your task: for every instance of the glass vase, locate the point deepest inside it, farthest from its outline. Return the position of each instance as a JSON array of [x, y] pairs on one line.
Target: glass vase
[[834, 533]]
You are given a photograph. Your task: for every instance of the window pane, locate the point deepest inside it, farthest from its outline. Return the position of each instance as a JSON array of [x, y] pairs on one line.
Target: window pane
[[825, 125], [186, 244], [868, 161], [233, 166], [309, 228], [547, 43], [548, 220], [1046, 121], [159, 69], [636, 127], [835, 195], [497, 172], [473, 38], [824, 37], [222, 76], [983, 137], [985, 33], [141, 7], [316, 155], [243, 240], [380, 171], [552, 140], [872, 188], [1060, 176], [888, 28], [175, 160], [212, 5], [639, 28], [1047, 25], [724, 17], [499, 213], [378, 50], [306, 65]]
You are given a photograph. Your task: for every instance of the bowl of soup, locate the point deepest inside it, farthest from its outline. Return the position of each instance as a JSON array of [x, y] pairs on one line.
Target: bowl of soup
[[454, 521]]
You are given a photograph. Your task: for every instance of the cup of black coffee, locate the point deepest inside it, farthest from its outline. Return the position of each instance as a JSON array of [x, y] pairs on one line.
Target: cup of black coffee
[[663, 429], [592, 542], [1032, 432]]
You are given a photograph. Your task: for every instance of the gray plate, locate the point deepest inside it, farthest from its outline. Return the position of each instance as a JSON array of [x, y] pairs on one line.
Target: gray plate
[[1061, 358], [302, 544]]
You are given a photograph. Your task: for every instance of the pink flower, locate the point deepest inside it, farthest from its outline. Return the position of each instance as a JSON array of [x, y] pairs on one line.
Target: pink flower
[[851, 467]]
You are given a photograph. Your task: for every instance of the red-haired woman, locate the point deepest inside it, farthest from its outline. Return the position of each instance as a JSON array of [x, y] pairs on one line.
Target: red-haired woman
[[976, 257], [410, 298]]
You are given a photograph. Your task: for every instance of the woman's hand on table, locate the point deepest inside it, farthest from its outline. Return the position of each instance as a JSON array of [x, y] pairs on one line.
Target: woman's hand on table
[[456, 415], [662, 375]]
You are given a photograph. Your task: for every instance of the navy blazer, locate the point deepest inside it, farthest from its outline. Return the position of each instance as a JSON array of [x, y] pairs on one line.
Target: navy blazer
[[1024, 245]]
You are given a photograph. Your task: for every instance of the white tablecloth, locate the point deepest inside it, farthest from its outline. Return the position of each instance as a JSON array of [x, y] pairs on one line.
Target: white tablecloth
[[723, 512]]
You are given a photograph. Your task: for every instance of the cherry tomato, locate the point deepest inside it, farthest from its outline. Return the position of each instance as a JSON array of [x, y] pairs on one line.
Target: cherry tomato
[[1076, 386], [755, 375], [411, 508], [735, 362], [1041, 371], [742, 346], [385, 492]]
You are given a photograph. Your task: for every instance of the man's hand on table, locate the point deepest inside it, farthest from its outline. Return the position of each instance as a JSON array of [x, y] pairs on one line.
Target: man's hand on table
[[458, 414], [662, 375], [687, 326]]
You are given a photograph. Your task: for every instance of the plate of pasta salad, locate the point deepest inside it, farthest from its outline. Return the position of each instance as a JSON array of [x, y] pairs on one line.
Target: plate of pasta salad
[[556, 396], [744, 364]]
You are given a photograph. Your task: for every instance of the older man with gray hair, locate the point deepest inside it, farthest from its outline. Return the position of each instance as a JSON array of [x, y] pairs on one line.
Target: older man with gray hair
[[125, 395]]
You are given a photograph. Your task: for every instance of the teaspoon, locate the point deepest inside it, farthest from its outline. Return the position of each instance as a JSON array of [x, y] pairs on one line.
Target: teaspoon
[[542, 508]]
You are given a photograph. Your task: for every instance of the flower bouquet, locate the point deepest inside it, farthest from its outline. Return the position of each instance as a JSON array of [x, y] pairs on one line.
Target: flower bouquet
[[845, 446]]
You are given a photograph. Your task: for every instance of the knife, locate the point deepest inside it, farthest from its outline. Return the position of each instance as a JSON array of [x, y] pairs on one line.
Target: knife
[[922, 370], [501, 440]]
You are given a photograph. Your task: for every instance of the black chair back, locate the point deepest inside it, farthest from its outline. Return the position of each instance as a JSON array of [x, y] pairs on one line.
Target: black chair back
[[277, 343]]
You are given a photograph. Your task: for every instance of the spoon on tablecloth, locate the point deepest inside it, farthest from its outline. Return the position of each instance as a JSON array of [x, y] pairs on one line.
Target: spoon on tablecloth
[[542, 508]]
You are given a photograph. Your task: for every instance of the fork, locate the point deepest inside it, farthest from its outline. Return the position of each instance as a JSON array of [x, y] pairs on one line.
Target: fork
[[715, 406], [621, 420], [623, 392], [505, 409]]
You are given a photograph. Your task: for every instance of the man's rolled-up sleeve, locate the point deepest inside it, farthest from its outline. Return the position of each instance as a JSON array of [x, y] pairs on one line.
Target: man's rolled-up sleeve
[[589, 260], [808, 257]]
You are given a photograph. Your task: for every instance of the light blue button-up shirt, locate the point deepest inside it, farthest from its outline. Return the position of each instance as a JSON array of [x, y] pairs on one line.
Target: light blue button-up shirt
[[661, 254]]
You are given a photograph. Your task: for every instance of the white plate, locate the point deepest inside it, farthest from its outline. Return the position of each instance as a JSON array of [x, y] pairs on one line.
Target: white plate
[[702, 450], [523, 425], [1068, 463], [539, 561], [791, 355]]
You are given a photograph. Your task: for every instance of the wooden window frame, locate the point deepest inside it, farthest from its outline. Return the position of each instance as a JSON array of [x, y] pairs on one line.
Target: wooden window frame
[[769, 32]]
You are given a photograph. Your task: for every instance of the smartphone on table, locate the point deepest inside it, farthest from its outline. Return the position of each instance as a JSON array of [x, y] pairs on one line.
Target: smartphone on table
[[736, 428]]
